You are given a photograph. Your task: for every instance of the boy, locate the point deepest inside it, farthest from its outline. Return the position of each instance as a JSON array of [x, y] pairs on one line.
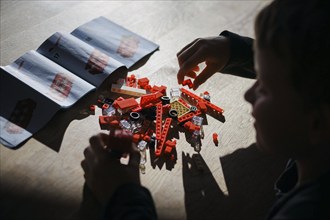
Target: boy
[[290, 100]]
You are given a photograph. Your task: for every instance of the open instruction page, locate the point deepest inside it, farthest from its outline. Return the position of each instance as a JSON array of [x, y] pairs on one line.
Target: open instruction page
[[114, 40], [33, 89], [78, 57]]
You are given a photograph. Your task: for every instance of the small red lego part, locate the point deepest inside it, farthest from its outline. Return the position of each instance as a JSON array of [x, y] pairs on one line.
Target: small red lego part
[[188, 82], [202, 106], [169, 146], [143, 82], [159, 114], [161, 89], [161, 143], [92, 109], [191, 127], [146, 138], [215, 139], [131, 81], [105, 106], [136, 138]]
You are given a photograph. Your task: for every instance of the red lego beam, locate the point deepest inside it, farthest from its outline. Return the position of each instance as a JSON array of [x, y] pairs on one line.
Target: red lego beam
[[161, 142], [159, 115], [199, 99]]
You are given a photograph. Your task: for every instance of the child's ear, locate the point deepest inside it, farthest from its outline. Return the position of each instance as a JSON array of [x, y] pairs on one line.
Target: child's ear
[[319, 122]]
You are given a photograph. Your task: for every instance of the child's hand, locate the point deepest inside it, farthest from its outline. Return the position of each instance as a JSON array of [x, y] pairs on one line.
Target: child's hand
[[104, 172], [214, 51]]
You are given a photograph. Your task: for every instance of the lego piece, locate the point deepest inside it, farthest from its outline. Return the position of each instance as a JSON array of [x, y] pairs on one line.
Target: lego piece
[[122, 89], [126, 104], [105, 106], [165, 100], [202, 107], [150, 98], [173, 113], [161, 143], [169, 145], [188, 116], [175, 93], [215, 139], [159, 121], [161, 89], [191, 127], [179, 107], [92, 109], [143, 82], [206, 95], [131, 81], [188, 82], [199, 99]]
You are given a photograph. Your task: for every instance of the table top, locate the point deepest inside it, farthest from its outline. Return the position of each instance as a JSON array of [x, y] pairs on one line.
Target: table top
[[43, 178]]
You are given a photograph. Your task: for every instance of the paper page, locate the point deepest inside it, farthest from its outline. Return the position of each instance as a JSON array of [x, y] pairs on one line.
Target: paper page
[[79, 58], [49, 79], [23, 111], [115, 41]]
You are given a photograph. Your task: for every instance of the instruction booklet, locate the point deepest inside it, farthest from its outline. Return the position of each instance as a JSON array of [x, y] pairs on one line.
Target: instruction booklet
[[61, 71]]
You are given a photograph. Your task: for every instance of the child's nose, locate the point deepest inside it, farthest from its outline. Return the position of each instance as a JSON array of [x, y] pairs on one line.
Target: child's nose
[[250, 93]]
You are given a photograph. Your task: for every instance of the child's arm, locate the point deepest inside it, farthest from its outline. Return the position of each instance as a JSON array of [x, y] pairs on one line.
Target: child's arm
[[240, 62]]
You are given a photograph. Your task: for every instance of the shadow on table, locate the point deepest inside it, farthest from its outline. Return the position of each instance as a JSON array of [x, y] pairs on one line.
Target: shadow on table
[[34, 204], [249, 175]]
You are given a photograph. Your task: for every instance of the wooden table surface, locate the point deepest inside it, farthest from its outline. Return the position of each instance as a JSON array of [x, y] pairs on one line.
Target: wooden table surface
[[43, 178]]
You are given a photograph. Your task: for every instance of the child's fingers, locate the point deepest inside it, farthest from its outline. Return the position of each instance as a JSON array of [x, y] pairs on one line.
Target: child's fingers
[[189, 65], [185, 48], [97, 144], [203, 76]]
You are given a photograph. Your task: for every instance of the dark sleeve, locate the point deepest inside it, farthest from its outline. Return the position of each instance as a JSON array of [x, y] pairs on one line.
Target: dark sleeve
[[241, 60], [130, 201]]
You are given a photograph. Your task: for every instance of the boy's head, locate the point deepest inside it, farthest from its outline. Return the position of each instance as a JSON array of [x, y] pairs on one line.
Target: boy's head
[[298, 32], [291, 98]]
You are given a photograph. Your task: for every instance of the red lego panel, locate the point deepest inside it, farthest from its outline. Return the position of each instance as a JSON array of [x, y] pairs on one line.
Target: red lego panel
[[127, 103], [161, 143]]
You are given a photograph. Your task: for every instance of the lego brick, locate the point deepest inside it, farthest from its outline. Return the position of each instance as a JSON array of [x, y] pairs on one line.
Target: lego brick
[[215, 139], [202, 107], [150, 98], [143, 82], [188, 116], [131, 81], [127, 103], [122, 89], [188, 82]]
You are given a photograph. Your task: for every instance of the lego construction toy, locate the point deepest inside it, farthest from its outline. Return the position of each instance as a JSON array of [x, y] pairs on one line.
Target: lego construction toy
[[151, 117]]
